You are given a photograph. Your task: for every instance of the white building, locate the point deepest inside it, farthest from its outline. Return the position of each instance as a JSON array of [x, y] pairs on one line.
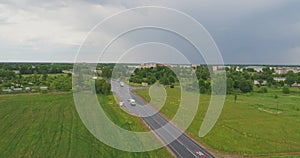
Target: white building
[[144, 84], [215, 68], [7, 90], [17, 89], [16, 71], [43, 88], [256, 68], [296, 85], [257, 83], [148, 65], [284, 70], [278, 79]]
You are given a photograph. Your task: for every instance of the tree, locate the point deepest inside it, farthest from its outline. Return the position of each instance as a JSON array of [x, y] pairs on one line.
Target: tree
[[246, 86], [208, 86], [107, 71], [260, 81], [281, 83], [270, 81], [172, 79], [235, 97], [36, 78], [202, 72], [290, 78], [298, 78], [152, 80], [44, 76], [230, 86], [106, 88], [202, 88], [136, 79], [164, 80], [62, 83], [102, 87], [218, 83], [250, 69]]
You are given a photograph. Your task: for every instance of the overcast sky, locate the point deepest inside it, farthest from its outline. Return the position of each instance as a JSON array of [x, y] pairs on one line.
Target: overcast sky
[[246, 32]]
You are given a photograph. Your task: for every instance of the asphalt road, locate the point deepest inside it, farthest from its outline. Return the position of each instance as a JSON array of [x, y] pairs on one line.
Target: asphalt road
[[183, 146]]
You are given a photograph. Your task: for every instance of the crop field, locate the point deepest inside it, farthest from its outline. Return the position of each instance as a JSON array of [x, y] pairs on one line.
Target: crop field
[[48, 125], [250, 126]]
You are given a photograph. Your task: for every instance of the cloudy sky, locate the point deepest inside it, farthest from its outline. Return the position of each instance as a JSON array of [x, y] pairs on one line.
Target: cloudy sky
[[247, 32]]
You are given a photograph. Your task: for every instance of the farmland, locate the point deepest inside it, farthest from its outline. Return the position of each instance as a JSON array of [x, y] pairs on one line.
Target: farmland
[[250, 125], [47, 125]]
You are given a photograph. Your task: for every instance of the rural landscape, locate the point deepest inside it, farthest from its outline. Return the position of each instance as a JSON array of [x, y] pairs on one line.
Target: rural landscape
[[149, 79], [260, 116]]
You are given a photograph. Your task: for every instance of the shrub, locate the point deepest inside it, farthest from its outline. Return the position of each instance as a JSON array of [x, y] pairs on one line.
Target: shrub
[[286, 90], [263, 90], [44, 91]]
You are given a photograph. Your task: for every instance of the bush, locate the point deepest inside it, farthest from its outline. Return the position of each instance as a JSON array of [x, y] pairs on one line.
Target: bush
[[44, 91], [263, 90], [286, 90]]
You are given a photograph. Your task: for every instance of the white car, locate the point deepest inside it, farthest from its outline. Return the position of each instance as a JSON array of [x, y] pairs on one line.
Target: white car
[[132, 101], [200, 154], [121, 103]]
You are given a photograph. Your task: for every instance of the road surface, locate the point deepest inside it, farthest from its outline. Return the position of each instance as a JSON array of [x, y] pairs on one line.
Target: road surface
[[183, 146]]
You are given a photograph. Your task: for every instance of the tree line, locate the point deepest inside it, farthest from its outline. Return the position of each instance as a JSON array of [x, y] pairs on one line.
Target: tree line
[[237, 81], [39, 68]]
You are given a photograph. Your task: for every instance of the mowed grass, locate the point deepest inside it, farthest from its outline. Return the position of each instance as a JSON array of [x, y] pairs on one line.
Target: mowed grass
[[49, 126], [243, 127]]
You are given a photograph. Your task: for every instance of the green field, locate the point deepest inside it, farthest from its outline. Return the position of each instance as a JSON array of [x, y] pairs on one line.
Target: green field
[[249, 126], [49, 126]]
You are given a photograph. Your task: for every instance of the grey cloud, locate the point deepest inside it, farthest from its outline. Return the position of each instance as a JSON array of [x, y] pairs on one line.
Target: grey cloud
[[250, 32]]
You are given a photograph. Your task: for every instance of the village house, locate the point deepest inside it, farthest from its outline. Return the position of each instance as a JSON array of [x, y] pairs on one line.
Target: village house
[[43, 88], [144, 84], [256, 82], [17, 89], [278, 79]]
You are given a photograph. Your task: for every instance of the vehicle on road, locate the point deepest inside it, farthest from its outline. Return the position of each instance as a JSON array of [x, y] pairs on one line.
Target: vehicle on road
[[122, 84], [199, 153], [121, 103], [132, 101]]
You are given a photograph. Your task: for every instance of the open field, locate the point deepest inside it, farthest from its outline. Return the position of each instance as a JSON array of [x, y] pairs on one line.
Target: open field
[[247, 126], [48, 126]]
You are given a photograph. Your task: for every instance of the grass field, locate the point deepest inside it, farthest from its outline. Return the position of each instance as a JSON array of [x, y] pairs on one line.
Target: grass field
[[49, 126], [249, 126]]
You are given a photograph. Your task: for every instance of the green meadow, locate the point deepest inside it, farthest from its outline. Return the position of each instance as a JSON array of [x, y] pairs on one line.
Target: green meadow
[[251, 125], [48, 125]]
